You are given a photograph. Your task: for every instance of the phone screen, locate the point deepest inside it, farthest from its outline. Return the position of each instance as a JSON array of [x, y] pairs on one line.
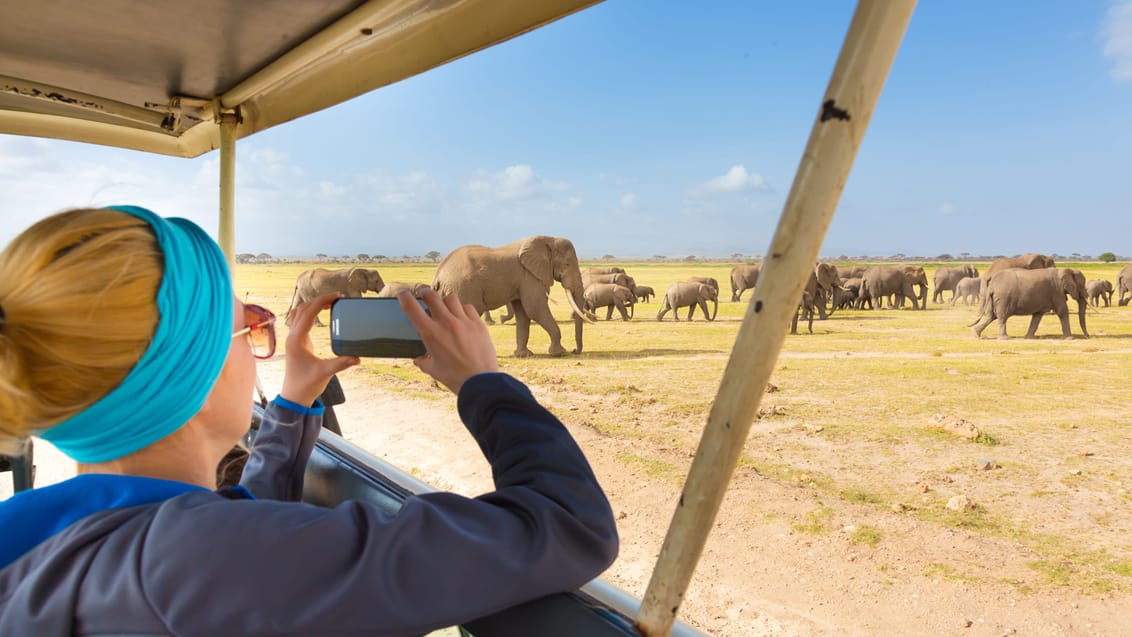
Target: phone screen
[[373, 327]]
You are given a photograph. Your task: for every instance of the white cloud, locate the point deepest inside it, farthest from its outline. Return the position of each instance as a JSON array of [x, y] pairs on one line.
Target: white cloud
[[946, 208], [629, 202], [513, 183], [737, 179], [1116, 31]]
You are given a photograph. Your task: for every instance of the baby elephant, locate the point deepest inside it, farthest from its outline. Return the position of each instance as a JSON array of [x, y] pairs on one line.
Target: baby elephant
[[689, 294], [645, 293], [609, 295], [967, 288], [1099, 289]]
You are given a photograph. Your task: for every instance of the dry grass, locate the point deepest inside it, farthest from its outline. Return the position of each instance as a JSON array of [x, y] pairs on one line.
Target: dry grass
[[854, 400]]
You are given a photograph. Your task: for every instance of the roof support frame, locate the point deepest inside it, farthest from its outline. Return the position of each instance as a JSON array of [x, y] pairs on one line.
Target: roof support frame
[[866, 56], [75, 99]]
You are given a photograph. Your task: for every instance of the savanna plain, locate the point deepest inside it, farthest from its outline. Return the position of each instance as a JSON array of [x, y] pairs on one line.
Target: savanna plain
[[836, 521]]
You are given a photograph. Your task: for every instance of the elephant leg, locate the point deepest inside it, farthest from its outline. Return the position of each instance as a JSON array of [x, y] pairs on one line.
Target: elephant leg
[[621, 309], [663, 311], [1036, 318], [487, 318], [692, 310], [507, 315], [1063, 316], [522, 332], [982, 325], [609, 312]]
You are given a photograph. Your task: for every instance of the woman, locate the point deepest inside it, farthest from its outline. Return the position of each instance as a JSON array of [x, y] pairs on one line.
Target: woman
[[121, 343]]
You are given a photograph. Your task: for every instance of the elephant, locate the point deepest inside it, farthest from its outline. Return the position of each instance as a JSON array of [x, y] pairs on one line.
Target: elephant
[[706, 280], [743, 278], [603, 271], [880, 281], [1099, 289], [609, 295], [619, 278], [689, 293], [644, 293], [845, 295], [350, 282], [394, 288], [1019, 291], [850, 271], [520, 273], [946, 278], [1124, 285], [967, 288], [1028, 261], [822, 284]]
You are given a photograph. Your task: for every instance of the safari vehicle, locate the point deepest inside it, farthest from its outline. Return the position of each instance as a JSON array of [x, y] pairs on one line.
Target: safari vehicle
[[151, 77]]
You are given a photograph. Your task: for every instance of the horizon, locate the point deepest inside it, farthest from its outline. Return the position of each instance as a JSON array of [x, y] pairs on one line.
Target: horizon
[[668, 129]]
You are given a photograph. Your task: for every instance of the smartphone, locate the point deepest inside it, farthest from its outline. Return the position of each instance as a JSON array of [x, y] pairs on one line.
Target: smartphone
[[373, 327]]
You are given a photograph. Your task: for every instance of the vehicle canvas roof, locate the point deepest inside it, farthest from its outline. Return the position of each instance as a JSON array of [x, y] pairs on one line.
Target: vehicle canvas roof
[[151, 75]]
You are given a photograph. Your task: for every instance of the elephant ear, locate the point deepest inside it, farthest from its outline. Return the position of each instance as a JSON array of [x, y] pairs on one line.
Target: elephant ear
[[534, 256]]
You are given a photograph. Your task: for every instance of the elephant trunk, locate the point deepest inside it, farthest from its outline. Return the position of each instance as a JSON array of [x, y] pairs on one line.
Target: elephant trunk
[[715, 308], [580, 316], [1082, 303]]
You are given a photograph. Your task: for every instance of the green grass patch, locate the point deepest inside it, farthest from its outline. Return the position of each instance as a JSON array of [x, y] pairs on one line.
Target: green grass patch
[[866, 535], [652, 467], [816, 522]]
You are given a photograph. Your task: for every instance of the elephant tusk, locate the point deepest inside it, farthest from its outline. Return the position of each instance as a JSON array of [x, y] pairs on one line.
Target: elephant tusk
[[586, 316]]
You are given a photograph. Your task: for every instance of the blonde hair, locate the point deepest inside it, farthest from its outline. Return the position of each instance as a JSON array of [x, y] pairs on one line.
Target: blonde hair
[[78, 292]]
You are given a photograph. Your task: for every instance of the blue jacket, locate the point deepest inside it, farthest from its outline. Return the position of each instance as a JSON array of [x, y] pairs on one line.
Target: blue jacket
[[102, 555]]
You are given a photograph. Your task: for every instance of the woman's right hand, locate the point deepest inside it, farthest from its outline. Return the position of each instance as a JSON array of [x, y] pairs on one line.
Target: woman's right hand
[[458, 343]]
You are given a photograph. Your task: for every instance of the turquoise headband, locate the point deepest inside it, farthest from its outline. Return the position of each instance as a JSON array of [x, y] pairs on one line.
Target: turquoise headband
[[174, 376]]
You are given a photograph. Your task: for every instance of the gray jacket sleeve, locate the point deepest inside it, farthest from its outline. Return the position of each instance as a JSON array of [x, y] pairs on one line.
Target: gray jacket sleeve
[[215, 566], [278, 458]]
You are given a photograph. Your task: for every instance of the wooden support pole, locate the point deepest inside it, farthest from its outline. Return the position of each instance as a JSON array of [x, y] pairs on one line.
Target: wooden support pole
[[226, 233], [866, 56]]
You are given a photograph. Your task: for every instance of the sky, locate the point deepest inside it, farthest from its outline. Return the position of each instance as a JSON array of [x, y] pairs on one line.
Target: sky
[[638, 128]]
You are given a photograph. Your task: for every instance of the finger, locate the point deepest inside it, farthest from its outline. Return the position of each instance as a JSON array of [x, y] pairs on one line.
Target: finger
[[307, 312], [342, 363], [470, 312], [413, 310], [452, 302]]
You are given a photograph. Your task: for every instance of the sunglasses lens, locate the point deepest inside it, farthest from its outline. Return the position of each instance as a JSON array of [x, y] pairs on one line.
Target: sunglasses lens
[[263, 330]]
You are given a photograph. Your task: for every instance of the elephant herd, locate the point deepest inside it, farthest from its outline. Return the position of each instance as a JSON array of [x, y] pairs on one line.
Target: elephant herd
[[520, 275]]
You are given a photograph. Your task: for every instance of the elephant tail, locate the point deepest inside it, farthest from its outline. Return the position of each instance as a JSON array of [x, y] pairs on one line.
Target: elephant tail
[[294, 295], [985, 306]]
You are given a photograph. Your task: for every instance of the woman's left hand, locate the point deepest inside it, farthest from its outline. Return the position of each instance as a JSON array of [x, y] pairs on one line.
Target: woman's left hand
[[306, 375]]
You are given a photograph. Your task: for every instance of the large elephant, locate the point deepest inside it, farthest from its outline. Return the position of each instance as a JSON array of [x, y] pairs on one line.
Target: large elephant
[[1099, 289], [393, 288], [602, 271], [610, 295], [743, 278], [520, 273], [946, 278], [822, 285], [689, 294], [968, 290], [878, 282], [1017, 292], [350, 282], [1124, 285]]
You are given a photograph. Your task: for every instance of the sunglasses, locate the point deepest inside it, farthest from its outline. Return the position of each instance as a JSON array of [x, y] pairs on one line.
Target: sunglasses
[[260, 330]]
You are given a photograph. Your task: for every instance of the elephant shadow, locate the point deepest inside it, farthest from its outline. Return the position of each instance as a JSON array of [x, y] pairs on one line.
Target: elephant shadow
[[648, 353]]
